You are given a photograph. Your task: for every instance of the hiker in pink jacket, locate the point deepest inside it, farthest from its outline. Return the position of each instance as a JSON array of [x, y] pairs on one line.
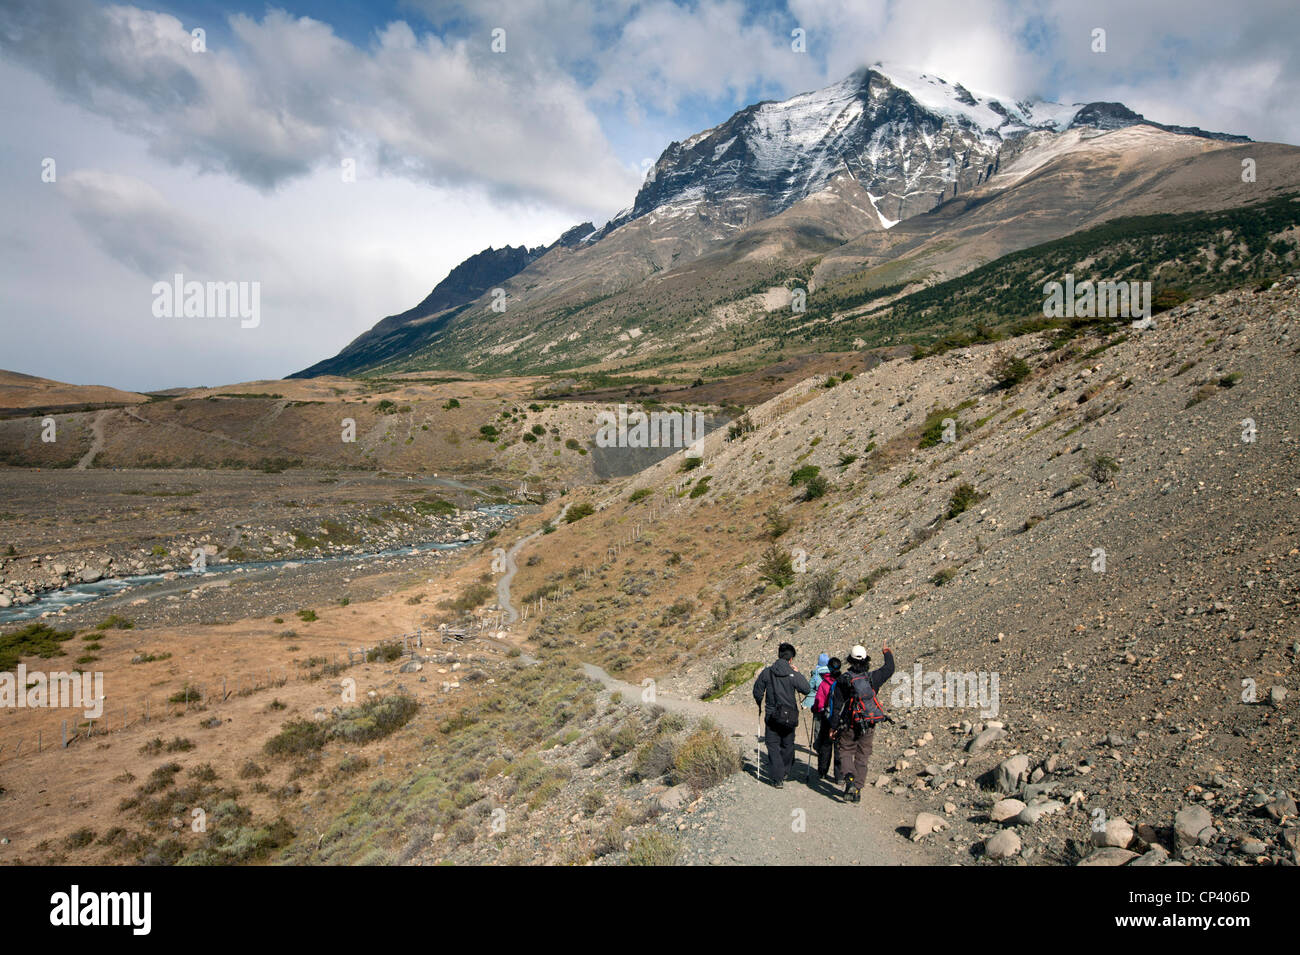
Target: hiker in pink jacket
[[822, 709]]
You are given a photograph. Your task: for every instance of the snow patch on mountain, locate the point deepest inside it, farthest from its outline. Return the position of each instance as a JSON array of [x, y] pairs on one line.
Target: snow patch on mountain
[[985, 111]]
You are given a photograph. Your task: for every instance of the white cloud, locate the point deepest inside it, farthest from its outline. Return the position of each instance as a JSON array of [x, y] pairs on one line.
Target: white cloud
[[291, 96], [80, 255]]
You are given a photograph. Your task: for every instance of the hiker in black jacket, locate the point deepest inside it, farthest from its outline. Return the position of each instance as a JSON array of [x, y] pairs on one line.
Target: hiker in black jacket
[[854, 742], [778, 690]]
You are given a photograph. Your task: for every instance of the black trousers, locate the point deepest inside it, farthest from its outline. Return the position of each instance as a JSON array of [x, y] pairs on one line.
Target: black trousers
[[825, 747], [780, 751]]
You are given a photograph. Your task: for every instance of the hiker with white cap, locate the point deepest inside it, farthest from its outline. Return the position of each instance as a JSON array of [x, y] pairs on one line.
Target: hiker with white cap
[[856, 713]]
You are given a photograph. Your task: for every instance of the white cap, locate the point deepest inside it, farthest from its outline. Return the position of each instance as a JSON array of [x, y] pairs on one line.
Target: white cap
[[859, 652]]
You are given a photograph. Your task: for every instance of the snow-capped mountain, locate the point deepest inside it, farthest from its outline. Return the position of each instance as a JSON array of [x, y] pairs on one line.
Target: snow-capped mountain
[[909, 139], [826, 175]]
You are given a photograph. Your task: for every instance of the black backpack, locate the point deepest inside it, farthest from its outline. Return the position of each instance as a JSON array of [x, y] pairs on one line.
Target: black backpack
[[782, 715], [862, 710]]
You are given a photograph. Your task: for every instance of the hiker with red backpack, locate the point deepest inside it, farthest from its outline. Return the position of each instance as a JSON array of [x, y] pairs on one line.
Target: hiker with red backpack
[[856, 713], [823, 714], [778, 689]]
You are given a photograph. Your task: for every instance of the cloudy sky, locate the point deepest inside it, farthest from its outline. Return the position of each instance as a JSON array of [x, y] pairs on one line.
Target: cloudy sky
[[225, 160]]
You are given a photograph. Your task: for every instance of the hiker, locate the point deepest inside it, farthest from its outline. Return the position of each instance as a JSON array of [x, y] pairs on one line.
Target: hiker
[[823, 715], [856, 713], [815, 679], [777, 691]]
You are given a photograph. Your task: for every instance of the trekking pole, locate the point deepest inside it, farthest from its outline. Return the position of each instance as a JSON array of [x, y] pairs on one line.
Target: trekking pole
[[807, 770]]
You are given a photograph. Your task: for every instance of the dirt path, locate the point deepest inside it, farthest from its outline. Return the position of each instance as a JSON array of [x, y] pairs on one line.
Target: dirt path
[[97, 445], [750, 823], [503, 585]]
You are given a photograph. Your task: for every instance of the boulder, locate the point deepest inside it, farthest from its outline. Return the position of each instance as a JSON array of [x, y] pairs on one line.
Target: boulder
[[675, 798], [1117, 834], [984, 740], [1037, 810], [1004, 845], [1156, 855], [1012, 773], [1189, 823], [926, 823], [1110, 855], [1005, 809], [1280, 806]]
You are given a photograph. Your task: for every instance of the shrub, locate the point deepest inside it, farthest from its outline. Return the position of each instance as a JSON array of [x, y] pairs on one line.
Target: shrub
[[35, 639], [577, 512], [705, 758], [1009, 370], [654, 848], [776, 522], [79, 839], [776, 567], [804, 474], [962, 499], [385, 653], [375, 719], [1102, 467], [297, 738], [724, 681], [819, 589], [815, 487]]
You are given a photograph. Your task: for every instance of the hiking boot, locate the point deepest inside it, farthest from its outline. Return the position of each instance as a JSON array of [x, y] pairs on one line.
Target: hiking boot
[[848, 788], [857, 795], [779, 784]]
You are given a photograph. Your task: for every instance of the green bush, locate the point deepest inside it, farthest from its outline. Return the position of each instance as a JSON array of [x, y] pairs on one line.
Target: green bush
[[776, 566], [706, 758], [724, 681], [1102, 467], [804, 474], [962, 499], [815, 487], [1009, 371], [33, 640], [577, 512]]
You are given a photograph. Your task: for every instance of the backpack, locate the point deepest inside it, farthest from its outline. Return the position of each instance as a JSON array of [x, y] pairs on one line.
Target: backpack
[[783, 715], [824, 706], [862, 709]]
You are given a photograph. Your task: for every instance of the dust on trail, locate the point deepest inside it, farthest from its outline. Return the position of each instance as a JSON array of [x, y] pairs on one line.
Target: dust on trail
[[754, 823]]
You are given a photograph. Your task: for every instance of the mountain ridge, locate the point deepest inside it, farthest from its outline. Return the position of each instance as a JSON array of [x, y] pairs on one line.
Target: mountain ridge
[[856, 158]]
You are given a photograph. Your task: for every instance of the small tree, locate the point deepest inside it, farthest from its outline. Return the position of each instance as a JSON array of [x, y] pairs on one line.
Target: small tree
[[1010, 370], [776, 567], [819, 588], [962, 499], [1102, 468], [777, 523], [815, 487]]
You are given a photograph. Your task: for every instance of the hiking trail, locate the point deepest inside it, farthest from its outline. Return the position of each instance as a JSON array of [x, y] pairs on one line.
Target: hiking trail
[[752, 823]]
